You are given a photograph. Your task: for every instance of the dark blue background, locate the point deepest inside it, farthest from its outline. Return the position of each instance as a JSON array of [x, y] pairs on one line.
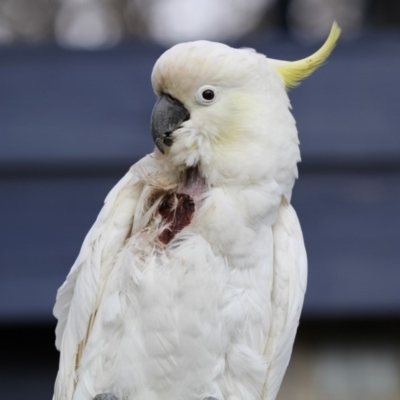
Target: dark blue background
[[71, 123]]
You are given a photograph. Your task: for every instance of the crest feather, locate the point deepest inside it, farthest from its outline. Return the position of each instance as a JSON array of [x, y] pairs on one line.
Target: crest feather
[[294, 71]]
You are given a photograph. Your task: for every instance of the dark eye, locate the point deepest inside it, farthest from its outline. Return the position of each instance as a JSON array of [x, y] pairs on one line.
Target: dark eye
[[208, 94]]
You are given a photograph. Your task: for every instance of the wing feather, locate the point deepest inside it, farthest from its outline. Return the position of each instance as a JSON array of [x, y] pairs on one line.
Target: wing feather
[[290, 280], [78, 297]]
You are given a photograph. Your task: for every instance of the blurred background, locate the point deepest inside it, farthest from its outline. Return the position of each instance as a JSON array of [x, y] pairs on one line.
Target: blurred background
[[75, 104]]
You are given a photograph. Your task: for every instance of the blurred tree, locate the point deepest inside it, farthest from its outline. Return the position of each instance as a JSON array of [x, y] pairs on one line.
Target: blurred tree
[[88, 23], [27, 20], [103, 23], [313, 18]]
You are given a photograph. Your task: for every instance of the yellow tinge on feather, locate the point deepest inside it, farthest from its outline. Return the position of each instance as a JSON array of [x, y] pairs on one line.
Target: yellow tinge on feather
[[294, 71]]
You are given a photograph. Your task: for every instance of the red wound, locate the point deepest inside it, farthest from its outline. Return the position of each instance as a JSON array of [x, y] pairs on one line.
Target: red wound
[[176, 211]]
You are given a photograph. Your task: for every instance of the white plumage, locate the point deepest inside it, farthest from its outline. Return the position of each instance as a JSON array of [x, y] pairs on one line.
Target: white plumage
[[210, 307]]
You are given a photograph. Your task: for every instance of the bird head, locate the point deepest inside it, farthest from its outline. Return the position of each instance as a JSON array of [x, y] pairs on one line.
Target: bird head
[[227, 111]]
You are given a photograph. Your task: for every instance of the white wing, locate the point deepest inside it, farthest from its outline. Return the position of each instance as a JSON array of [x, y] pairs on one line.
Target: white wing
[[290, 280], [78, 297]]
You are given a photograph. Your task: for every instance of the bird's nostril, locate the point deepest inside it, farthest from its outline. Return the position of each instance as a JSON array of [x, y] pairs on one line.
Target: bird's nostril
[[168, 141]]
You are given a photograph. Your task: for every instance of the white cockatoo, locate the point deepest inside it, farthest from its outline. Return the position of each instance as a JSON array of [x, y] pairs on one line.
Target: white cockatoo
[[191, 281]]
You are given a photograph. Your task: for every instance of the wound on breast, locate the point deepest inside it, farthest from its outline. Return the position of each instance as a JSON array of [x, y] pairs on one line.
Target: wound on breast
[[176, 210]]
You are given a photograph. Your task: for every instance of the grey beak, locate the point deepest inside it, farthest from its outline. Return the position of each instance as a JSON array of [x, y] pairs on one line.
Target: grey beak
[[168, 114]]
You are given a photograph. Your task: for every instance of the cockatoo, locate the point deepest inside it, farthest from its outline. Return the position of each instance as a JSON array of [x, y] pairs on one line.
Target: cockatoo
[[190, 284]]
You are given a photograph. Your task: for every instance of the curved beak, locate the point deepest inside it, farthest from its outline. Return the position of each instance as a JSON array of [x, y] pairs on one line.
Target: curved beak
[[168, 115]]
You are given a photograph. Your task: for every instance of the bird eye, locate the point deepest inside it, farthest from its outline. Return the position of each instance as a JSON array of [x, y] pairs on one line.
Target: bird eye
[[208, 94]]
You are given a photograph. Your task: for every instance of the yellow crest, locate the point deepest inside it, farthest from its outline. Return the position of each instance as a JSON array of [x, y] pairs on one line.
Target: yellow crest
[[294, 71]]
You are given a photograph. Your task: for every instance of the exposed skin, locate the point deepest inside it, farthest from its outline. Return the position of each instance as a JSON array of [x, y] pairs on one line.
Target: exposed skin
[[177, 211]]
